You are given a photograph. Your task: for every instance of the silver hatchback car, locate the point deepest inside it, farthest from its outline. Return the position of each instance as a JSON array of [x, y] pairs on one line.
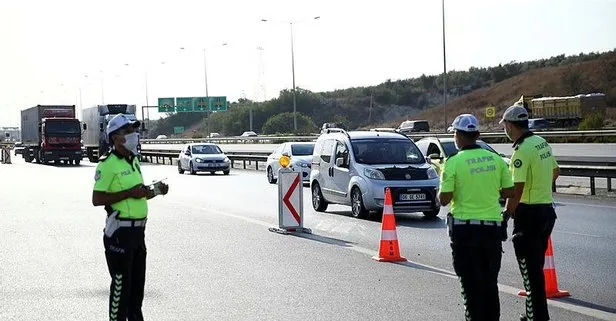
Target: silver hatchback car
[[354, 168], [203, 157]]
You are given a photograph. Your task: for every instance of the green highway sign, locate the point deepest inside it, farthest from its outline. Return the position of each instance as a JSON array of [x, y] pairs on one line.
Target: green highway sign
[[218, 104], [166, 105], [178, 129], [201, 104], [184, 104], [192, 104]]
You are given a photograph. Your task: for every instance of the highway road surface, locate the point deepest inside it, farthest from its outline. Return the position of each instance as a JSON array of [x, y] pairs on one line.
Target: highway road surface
[[571, 150], [211, 256]]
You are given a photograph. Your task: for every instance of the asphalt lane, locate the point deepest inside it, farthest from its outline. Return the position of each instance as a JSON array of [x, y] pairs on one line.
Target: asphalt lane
[[211, 256]]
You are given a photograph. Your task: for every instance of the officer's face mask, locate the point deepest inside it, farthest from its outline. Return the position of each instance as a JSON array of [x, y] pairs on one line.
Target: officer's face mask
[[131, 141], [456, 140], [507, 131]]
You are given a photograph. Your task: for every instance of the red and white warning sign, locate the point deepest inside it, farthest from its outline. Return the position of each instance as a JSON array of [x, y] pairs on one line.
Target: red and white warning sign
[[290, 202]]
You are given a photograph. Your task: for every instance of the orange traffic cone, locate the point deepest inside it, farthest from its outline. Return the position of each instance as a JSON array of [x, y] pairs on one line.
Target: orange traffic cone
[[389, 251], [549, 273]]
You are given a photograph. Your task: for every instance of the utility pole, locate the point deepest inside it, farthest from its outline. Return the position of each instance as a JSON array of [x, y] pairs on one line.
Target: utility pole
[[444, 71], [371, 102]]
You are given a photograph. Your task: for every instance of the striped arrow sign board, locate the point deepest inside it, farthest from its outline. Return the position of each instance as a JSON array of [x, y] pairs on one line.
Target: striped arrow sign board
[[290, 202]]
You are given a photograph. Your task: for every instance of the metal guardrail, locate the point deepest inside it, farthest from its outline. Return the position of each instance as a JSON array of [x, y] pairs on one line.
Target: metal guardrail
[[592, 172], [562, 160], [159, 157], [271, 139], [231, 140]]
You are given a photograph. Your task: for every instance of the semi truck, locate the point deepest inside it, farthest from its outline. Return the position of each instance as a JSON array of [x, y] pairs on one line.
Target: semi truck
[[567, 111], [51, 133], [95, 121]]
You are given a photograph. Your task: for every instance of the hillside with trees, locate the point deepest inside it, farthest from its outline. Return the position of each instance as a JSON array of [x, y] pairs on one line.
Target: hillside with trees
[[391, 102]]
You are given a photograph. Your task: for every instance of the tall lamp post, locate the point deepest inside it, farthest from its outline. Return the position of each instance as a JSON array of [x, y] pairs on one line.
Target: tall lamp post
[[102, 88], [147, 100], [291, 23], [444, 70], [207, 93]]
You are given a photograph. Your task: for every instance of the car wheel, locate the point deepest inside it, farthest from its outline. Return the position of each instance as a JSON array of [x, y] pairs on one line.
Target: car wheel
[[357, 204], [180, 170], [77, 161], [318, 202], [270, 176], [226, 172], [431, 214], [212, 173], [192, 169]]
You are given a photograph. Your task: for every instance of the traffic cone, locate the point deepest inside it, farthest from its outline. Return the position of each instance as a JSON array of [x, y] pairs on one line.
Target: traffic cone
[[389, 251], [549, 273]]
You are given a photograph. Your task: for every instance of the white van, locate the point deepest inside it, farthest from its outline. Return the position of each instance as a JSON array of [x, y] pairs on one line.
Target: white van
[[354, 168]]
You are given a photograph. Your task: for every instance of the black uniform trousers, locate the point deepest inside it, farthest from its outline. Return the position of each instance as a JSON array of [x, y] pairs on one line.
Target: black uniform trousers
[[477, 253], [125, 252], [532, 226]]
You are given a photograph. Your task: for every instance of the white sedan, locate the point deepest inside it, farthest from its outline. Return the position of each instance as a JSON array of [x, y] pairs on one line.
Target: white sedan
[[301, 158], [203, 157]]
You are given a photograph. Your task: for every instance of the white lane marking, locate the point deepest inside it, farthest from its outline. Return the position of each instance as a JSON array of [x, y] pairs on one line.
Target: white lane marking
[[595, 313], [580, 234], [585, 205]]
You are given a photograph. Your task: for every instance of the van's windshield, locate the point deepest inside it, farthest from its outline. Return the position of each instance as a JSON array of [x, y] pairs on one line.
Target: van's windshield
[[386, 151]]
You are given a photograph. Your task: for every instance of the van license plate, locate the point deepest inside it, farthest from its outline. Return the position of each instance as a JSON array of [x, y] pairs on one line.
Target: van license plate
[[413, 197]]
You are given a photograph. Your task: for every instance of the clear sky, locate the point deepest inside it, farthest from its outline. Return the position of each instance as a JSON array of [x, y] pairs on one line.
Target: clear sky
[[53, 50]]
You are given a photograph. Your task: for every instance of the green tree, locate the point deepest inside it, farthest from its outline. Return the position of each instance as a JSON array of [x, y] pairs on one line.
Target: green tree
[[283, 123], [592, 121], [572, 82]]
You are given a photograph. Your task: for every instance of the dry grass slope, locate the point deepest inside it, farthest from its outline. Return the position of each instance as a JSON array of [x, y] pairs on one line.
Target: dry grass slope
[[585, 77]]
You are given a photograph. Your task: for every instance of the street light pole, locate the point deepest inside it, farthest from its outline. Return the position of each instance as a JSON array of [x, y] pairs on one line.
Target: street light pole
[[293, 73], [147, 102], [207, 95], [102, 88], [293, 69], [444, 70], [80, 103]]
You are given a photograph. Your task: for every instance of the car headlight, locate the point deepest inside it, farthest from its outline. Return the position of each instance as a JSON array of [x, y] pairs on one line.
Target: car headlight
[[301, 164], [373, 174], [432, 174], [198, 160]]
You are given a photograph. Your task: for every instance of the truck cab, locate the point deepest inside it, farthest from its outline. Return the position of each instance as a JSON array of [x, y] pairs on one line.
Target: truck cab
[[52, 134]]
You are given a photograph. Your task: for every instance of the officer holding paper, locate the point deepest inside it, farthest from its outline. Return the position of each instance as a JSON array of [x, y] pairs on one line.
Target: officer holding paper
[[119, 188]]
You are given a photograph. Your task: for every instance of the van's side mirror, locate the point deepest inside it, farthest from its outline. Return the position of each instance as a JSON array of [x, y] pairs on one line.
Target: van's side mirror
[[286, 154], [85, 126], [435, 156], [100, 125], [187, 153], [339, 162]]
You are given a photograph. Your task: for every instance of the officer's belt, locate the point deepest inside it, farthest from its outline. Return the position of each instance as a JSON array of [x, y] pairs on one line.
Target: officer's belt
[[132, 223], [475, 222]]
